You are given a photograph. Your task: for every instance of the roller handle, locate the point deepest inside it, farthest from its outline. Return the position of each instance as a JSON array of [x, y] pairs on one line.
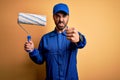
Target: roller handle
[[28, 39]]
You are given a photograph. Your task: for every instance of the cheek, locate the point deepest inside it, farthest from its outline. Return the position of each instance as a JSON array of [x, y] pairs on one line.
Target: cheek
[[66, 21], [55, 20]]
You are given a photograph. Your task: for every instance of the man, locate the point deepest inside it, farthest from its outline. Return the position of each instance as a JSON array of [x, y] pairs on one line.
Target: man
[[59, 47]]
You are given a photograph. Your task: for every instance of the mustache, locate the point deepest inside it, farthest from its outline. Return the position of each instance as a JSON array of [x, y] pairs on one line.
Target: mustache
[[60, 22]]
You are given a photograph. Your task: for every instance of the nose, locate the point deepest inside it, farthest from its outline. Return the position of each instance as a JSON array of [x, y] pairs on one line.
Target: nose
[[61, 19]]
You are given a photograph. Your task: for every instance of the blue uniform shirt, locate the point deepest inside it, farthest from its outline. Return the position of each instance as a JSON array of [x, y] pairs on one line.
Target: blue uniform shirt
[[60, 55]]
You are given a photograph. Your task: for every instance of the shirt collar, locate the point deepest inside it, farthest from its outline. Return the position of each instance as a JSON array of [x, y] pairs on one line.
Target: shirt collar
[[55, 33]]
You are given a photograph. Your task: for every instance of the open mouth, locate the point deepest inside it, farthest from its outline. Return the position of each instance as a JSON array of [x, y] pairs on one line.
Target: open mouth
[[61, 24]]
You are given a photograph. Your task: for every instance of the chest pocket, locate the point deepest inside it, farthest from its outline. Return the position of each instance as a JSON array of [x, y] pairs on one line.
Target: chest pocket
[[50, 46]]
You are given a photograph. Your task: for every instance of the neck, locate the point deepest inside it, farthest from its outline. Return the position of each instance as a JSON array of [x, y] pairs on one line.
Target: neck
[[60, 31]]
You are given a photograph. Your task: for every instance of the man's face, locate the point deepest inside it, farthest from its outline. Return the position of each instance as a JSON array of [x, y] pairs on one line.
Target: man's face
[[61, 20]]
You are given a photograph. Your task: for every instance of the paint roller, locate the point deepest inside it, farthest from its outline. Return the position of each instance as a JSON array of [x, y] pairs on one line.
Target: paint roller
[[32, 19]]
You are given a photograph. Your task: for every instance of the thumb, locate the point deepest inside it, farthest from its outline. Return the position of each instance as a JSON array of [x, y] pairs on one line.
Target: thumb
[[66, 28], [31, 42]]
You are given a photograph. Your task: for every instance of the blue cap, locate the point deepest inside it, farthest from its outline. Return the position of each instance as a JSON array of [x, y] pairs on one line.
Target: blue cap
[[60, 7]]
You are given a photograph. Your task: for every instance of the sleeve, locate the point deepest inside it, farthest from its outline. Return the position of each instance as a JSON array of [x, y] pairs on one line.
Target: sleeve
[[37, 54], [82, 41]]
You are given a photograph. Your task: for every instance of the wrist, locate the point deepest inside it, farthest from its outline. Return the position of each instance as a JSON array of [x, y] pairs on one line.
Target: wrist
[[30, 51]]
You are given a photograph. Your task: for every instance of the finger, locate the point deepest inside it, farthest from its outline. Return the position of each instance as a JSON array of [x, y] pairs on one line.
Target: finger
[[30, 42], [70, 38], [27, 44], [27, 49], [70, 30], [70, 35]]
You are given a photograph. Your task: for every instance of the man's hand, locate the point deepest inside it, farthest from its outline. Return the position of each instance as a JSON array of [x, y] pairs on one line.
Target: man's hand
[[29, 46], [72, 35]]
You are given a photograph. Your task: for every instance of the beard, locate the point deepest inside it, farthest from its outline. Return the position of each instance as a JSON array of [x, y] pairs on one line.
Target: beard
[[61, 25]]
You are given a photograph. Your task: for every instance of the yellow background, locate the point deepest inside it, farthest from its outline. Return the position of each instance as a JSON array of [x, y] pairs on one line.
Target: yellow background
[[98, 20]]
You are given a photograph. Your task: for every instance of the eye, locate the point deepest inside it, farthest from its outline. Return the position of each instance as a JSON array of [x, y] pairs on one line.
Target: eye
[[57, 16], [64, 15]]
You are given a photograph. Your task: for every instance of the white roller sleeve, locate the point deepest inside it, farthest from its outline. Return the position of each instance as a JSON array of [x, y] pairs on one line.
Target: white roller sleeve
[[26, 18]]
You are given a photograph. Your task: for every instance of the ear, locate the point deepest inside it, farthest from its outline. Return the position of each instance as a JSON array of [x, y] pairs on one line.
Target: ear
[[54, 16]]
